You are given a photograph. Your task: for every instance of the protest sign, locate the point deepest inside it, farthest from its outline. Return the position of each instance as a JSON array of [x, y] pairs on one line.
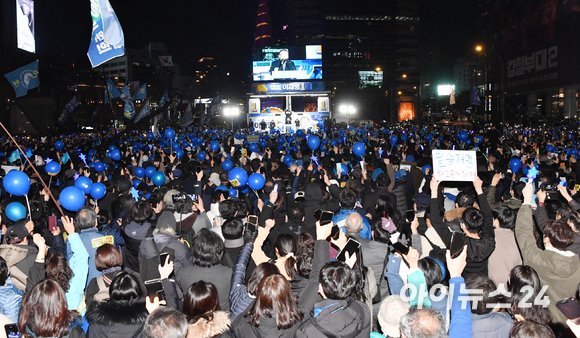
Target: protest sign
[[454, 165]]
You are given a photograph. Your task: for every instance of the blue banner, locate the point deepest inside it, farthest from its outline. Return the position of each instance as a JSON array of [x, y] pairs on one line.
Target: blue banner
[[111, 91], [95, 114], [279, 87], [145, 111], [107, 40], [125, 94], [475, 100], [68, 108], [164, 99], [24, 78], [129, 109], [141, 92]]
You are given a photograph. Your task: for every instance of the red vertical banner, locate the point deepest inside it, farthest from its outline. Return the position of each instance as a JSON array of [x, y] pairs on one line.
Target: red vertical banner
[[406, 111]]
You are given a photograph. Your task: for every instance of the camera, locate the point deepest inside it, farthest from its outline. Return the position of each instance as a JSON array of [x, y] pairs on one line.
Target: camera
[[551, 191]]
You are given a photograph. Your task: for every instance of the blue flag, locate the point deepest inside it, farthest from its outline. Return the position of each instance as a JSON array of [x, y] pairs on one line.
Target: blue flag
[[475, 100], [68, 108], [164, 99], [112, 91], [65, 158], [145, 111], [141, 93], [125, 94], [14, 156], [129, 109], [24, 78], [187, 117], [95, 114], [107, 40]]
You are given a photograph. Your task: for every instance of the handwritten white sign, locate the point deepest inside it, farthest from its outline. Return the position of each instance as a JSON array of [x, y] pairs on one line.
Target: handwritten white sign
[[454, 165]]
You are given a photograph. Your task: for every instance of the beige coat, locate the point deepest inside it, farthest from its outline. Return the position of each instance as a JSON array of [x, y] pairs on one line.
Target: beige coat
[[505, 256]]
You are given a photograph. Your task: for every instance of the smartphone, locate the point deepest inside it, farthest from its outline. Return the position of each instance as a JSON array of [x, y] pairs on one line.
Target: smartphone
[[352, 246], [334, 234], [339, 168], [570, 308], [193, 197], [12, 330], [457, 244], [154, 288], [197, 169], [275, 188], [163, 258], [52, 223], [317, 214], [401, 248], [326, 217], [253, 221]]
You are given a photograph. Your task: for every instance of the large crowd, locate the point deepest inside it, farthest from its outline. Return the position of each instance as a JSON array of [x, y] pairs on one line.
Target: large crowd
[[312, 233]]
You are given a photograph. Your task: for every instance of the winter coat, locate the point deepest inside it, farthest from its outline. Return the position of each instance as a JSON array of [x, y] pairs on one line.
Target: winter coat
[[513, 203], [92, 240], [219, 275], [218, 326], [239, 298], [19, 258], [505, 256], [491, 325], [399, 192], [370, 199], [557, 269], [165, 243], [312, 202], [10, 300], [337, 318], [133, 234], [116, 319]]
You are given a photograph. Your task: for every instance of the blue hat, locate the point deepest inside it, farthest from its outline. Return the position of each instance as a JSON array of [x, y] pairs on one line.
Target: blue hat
[[410, 158], [442, 266]]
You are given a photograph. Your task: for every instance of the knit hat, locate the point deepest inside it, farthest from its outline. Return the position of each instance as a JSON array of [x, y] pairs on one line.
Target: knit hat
[[392, 309]]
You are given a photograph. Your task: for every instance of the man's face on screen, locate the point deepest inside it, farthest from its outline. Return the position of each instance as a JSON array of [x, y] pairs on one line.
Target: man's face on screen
[[283, 55]]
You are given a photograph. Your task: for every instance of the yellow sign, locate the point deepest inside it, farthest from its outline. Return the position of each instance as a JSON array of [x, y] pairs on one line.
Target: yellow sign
[[100, 241]]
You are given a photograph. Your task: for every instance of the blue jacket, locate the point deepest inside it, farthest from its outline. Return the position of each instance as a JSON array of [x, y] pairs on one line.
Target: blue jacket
[[10, 300], [240, 299], [461, 325], [78, 263], [92, 239], [341, 217]]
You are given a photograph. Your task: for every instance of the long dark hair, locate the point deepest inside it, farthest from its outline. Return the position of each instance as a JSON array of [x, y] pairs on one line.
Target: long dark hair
[[385, 208], [521, 279], [262, 270], [58, 270], [200, 301], [46, 305], [125, 286], [275, 300]]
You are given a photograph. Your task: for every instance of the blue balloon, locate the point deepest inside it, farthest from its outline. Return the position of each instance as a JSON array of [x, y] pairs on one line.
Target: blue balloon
[[358, 149], [169, 133], [92, 165], [99, 167], [429, 137], [150, 171], [404, 138], [515, 165], [139, 172], [136, 183], [313, 142], [98, 191], [179, 153], [462, 135], [112, 147], [58, 145], [227, 165], [16, 183], [287, 158], [52, 168], [238, 177], [281, 140], [263, 144], [300, 133], [175, 146], [84, 183], [253, 147], [394, 140], [116, 154], [291, 139], [256, 181], [72, 198], [332, 143], [201, 155], [324, 142], [158, 178], [478, 139], [221, 187], [198, 141], [15, 211], [232, 192], [150, 136], [214, 145], [468, 141]]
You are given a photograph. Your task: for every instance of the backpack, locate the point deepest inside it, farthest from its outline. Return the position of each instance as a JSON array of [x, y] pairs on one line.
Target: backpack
[[103, 293], [149, 267]]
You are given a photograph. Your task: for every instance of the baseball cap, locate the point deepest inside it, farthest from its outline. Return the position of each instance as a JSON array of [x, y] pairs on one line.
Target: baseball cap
[[177, 173], [17, 230], [422, 199]]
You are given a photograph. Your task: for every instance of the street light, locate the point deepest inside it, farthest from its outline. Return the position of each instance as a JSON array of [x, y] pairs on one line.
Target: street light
[[231, 112], [478, 49], [348, 110], [404, 76]]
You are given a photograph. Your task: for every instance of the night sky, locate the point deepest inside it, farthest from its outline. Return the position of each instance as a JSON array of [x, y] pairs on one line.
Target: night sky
[[222, 29]]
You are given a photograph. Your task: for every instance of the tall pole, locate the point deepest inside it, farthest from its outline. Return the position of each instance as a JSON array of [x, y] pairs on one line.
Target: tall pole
[[502, 96]]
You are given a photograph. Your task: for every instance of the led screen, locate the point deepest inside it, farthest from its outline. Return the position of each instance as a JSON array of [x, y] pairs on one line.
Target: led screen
[[370, 79], [445, 90], [287, 63], [25, 25]]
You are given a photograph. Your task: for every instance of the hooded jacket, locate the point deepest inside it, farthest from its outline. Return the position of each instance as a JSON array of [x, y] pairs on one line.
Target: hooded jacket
[[114, 319], [19, 258], [312, 202], [337, 318], [165, 243], [217, 326], [133, 234], [557, 269]]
